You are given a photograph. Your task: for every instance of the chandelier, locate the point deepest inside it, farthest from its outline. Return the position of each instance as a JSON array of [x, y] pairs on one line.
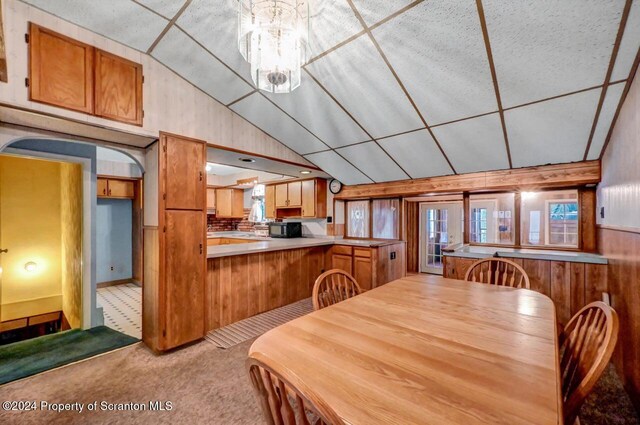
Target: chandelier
[[273, 36]]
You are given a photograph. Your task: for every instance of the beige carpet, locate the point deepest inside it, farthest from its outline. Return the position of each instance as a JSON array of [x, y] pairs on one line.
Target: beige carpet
[[205, 384]]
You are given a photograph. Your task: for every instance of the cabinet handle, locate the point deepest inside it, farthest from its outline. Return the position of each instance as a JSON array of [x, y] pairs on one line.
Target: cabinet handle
[[200, 175], [200, 248], [104, 191], [109, 192]]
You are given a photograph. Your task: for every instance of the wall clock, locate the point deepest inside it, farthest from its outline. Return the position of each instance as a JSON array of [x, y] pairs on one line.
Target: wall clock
[[335, 186]]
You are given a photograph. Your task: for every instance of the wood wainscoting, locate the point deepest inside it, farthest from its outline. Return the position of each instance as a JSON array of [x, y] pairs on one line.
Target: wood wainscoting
[[242, 286], [570, 285], [622, 248]]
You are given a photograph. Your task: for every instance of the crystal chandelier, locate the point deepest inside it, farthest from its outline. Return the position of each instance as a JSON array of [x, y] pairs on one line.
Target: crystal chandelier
[[273, 36]]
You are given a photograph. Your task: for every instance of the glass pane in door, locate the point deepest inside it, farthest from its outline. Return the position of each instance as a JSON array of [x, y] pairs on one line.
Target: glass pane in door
[[441, 226]]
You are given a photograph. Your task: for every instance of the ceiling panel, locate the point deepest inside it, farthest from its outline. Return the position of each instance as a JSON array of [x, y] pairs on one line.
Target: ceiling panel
[[338, 167], [373, 11], [372, 160], [551, 132], [332, 22], [474, 145], [360, 80], [314, 109], [629, 45], [167, 8], [417, 154], [215, 26], [180, 53], [262, 113], [121, 20], [546, 48], [611, 101], [439, 53]]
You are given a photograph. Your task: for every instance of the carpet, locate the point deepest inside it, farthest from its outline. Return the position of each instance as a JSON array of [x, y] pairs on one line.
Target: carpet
[[26, 358], [244, 330], [205, 385]]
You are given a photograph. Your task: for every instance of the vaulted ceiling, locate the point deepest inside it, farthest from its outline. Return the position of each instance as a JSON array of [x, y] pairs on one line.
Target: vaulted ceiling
[[401, 89]]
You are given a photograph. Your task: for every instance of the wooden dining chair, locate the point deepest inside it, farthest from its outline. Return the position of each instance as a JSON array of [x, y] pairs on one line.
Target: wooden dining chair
[[586, 345], [286, 403], [498, 271], [334, 286]]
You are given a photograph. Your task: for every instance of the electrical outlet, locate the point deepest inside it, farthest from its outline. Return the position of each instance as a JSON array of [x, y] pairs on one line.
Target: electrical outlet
[[111, 268], [393, 255]]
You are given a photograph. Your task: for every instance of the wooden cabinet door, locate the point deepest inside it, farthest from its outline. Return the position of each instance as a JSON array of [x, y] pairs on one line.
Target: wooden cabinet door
[[295, 194], [270, 201], [237, 203], [309, 198], [281, 195], [121, 189], [103, 188], [362, 272], [118, 88], [184, 180], [184, 277], [211, 198], [223, 203], [342, 262], [60, 70]]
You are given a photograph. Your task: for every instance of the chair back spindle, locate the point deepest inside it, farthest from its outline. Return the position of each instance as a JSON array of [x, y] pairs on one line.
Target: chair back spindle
[[498, 271], [334, 286]]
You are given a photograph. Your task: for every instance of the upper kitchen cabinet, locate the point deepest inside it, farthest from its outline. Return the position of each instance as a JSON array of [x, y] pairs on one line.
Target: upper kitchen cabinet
[[69, 74], [116, 188], [300, 198], [229, 203], [118, 88], [184, 183], [60, 70]]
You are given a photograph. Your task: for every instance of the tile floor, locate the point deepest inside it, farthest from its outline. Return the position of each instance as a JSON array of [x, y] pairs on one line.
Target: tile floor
[[122, 307]]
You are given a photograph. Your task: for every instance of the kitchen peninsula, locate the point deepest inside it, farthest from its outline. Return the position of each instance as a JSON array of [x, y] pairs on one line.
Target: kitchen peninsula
[[260, 274]]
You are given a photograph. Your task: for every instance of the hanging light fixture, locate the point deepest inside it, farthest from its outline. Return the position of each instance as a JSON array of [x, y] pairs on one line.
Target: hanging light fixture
[[273, 36]]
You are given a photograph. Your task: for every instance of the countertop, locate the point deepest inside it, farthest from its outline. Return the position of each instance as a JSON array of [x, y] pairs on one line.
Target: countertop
[[468, 251], [266, 244]]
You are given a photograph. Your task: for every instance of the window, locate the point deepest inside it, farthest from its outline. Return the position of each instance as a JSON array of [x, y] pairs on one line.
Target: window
[[550, 218], [491, 218], [378, 219]]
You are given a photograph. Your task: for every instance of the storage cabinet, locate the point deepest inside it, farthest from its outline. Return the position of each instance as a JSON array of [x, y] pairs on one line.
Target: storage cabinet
[[270, 201], [370, 267], [175, 246], [211, 198], [229, 203], [184, 179], [60, 70], [118, 88], [301, 198], [69, 74], [115, 188]]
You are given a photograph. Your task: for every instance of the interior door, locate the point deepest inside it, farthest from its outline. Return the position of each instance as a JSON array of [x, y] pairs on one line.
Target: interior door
[[440, 226]]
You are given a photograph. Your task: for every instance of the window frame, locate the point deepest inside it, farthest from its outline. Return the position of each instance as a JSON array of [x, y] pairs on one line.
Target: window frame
[[547, 220], [370, 227]]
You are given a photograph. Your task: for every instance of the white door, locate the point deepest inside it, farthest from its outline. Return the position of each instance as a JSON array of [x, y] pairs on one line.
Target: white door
[[440, 226]]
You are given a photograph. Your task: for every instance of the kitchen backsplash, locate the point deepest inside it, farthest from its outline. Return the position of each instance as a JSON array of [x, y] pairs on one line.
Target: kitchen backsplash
[[227, 224]]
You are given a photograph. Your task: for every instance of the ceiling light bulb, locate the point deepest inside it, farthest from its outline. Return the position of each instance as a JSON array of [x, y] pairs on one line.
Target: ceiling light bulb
[[305, 172], [31, 267]]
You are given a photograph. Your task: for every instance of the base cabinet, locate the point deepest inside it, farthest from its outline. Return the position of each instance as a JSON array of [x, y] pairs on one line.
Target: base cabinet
[[370, 267], [570, 285]]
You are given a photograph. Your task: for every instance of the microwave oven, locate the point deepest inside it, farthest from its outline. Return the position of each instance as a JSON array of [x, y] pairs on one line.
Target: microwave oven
[[285, 230]]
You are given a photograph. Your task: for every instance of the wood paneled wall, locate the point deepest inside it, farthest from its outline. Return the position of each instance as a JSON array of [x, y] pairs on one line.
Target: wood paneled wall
[[412, 236], [245, 285], [622, 248]]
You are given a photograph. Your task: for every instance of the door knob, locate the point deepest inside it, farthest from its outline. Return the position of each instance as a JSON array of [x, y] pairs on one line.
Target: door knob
[[3, 251]]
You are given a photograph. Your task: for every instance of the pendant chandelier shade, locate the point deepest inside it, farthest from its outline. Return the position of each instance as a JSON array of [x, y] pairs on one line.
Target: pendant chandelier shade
[[273, 36]]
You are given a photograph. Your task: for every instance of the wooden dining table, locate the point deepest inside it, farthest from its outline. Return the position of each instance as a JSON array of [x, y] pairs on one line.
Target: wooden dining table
[[427, 350]]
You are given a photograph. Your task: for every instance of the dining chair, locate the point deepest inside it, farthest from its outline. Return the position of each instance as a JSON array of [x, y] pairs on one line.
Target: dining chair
[[498, 271], [287, 401], [586, 346], [334, 286]]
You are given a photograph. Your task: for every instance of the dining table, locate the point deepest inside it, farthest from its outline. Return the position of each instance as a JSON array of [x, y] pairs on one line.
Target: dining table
[[425, 349]]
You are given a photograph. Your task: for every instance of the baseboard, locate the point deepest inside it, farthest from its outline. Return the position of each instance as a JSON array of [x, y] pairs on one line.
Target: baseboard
[[114, 283]]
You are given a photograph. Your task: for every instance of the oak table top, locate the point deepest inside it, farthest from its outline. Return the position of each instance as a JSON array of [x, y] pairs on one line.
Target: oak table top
[[428, 350]]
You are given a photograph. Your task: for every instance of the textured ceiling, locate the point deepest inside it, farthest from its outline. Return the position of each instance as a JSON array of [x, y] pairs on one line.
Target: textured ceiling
[[402, 89]]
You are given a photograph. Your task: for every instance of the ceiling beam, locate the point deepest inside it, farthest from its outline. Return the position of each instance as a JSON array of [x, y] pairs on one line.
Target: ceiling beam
[[529, 178], [605, 86], [494, 77]]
